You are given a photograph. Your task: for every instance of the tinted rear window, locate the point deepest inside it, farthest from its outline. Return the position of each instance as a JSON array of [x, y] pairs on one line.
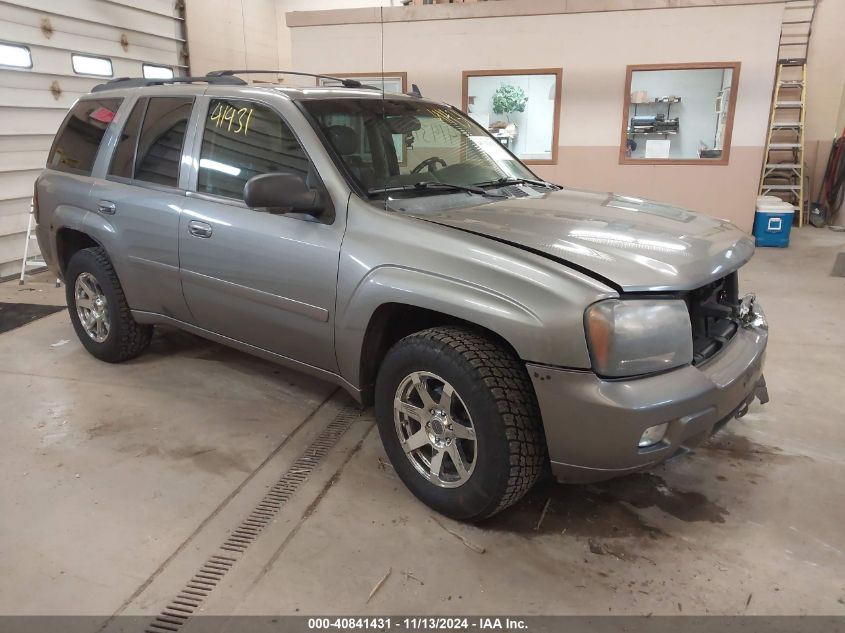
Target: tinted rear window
[[78, 140], [159, 151], [123, 159]]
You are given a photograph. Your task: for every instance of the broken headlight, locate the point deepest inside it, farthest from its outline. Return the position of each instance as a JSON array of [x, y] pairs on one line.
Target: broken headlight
[[631, 337]]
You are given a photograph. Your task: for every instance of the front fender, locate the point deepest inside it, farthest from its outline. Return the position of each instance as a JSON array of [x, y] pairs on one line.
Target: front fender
[[516, 323]]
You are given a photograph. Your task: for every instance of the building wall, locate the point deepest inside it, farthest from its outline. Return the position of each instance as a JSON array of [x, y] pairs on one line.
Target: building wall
[[249, 33], [232, 34], [255, 33], [825, 115], [285, 6], [593, 49], [35, 100]]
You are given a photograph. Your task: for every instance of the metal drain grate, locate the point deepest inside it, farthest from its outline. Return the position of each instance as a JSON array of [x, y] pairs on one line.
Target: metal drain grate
[[209, 575]]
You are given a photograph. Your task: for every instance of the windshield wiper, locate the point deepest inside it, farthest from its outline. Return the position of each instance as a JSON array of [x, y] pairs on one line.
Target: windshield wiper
[[434, 186], [516, 181]]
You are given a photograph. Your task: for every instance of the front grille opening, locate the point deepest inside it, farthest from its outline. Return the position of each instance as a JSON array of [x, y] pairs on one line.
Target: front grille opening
[[713, 309]]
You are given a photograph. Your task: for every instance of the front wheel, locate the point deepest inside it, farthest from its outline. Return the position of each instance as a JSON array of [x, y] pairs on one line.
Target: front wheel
[[459, 421]]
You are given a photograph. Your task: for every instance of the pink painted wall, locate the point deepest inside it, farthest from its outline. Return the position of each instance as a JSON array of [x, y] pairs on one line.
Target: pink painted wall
[[593, 49], [825, 115]]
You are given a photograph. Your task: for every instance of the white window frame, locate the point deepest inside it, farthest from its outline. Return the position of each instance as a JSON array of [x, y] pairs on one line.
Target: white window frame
[[145, 66], [20, 47], [84, 56]]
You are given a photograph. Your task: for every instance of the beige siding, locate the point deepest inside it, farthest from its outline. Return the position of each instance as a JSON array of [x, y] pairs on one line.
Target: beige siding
[[232, 34], [250, 33], [149, 32]]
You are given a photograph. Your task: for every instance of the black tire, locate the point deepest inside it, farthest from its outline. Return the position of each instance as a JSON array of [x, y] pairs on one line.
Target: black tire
[[494, 386], [126, 338]]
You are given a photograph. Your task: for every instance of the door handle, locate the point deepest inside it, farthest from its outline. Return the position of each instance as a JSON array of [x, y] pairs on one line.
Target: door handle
[[199, 229], [106, 206]]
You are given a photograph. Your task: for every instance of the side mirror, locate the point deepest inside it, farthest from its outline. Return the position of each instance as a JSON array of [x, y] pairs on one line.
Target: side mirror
[[282, 192]]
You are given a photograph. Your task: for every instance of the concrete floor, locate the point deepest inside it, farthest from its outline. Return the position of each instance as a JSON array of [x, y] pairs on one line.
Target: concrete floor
[[120, 481]]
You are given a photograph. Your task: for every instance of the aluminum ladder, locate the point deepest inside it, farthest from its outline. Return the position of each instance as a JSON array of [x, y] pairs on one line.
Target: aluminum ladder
[[35, 262], [783, 162]]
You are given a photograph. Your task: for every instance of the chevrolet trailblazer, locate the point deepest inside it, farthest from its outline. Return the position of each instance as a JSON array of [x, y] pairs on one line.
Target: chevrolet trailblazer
[[498, 322]]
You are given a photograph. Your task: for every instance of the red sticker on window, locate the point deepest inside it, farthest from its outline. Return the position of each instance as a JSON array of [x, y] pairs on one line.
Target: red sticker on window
[[103, 115]]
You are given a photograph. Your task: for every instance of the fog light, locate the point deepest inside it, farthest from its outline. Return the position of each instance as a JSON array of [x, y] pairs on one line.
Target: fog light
[[652, 435]]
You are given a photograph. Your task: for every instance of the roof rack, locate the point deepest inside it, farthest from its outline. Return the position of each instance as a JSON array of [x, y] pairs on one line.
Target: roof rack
[[140, 82], [346, 83]]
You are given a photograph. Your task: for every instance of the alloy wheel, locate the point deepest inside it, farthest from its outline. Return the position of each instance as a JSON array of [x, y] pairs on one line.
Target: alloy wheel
[[92, 307], [435, 429]]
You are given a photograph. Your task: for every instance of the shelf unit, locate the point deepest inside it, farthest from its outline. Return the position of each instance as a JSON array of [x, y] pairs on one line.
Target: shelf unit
[[657, 101]]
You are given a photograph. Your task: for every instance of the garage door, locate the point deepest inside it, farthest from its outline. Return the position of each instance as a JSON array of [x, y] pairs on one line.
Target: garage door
[[51, 53]]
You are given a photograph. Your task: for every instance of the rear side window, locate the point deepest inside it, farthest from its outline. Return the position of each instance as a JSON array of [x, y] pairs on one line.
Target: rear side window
[[159, 151], [78, 140], [243, 139], [123, 159]]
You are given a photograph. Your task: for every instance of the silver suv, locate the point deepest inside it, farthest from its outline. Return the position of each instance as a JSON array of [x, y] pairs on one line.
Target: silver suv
[[388, 243]]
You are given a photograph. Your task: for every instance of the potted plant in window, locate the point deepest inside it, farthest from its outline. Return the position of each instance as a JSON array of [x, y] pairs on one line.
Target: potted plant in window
[[507, 99]]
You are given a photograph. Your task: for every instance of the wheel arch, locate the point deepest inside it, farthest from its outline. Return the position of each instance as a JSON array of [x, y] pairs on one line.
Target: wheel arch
[[69, 241], [391, 322], [393, 302]]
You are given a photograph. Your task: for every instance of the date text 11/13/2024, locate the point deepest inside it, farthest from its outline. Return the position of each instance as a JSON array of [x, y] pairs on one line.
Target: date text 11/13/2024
[[417, 623]]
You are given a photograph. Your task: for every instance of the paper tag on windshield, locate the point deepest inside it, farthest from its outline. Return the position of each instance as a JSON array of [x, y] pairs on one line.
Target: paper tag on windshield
[[491, 147]]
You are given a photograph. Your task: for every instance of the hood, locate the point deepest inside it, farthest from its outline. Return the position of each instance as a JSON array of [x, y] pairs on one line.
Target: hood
[[636, 244]]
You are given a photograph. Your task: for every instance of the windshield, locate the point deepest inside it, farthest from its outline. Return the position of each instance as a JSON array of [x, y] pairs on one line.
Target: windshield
[[388, 144]]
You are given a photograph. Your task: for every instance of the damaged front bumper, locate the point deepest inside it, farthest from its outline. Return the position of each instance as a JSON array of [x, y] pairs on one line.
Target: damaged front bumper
[[594, 426]]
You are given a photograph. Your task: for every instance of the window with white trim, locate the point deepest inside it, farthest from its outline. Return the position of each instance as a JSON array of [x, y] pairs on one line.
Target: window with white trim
[[89, 65], [152, 71], [15, 56]]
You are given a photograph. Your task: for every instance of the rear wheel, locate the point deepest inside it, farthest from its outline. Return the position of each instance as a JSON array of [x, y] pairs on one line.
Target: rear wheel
[[459, 421], [98, 309]]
